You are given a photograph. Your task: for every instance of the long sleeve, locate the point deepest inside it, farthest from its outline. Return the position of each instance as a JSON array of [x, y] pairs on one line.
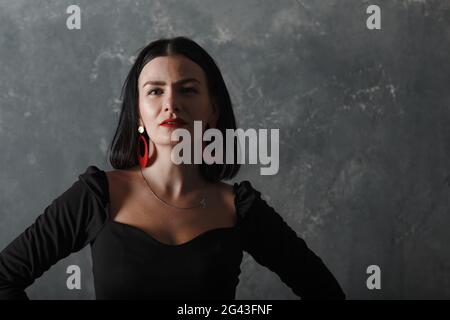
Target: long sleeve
[[68, 224], [273, 244]]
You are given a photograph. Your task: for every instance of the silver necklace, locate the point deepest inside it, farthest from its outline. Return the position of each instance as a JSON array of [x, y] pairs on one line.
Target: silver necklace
[[202, 203]]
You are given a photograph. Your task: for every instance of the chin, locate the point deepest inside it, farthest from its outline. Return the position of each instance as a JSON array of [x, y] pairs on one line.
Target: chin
[[166, 142]]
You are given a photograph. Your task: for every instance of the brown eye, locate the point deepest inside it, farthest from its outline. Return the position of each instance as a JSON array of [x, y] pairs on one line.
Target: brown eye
[[154, 90], [189, 90]]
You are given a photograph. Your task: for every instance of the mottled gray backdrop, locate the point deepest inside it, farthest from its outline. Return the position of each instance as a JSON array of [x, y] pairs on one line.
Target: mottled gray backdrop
[[363, 115]]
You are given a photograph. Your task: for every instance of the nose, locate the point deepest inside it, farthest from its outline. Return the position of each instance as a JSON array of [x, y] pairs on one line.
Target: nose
[[171, 102]]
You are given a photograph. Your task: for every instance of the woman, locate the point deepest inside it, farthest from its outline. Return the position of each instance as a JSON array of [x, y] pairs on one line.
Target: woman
[[159, 230]]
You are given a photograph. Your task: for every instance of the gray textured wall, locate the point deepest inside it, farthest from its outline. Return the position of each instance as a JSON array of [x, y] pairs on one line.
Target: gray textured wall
[[363, 116]]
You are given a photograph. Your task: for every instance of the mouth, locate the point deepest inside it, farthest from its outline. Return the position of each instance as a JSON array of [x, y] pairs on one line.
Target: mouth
[[173, 123]]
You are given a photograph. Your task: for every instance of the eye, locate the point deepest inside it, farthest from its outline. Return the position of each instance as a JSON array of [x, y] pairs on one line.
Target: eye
[[189, 90], [154, 90]]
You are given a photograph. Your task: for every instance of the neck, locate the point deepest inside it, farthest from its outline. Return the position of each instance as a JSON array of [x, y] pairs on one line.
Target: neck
[[171, 179]]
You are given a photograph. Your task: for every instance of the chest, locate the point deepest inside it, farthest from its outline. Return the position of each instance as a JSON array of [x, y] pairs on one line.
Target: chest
[[127, 263], [133, 205]]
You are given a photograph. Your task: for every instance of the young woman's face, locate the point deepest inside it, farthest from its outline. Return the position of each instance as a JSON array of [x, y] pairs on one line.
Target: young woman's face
[[173, 87]]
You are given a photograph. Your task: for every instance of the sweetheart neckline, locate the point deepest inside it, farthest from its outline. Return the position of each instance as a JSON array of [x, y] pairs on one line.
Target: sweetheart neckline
[[184, 244], [150, 237]]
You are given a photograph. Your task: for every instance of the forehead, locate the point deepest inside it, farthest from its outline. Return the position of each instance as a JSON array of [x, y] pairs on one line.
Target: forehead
[[171, 69]]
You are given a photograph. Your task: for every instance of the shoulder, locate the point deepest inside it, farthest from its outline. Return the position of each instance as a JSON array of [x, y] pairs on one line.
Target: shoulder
[[236, 187], [221, 194], [123, 179], [245, 190], [242, 195], [107, 185], [100, 182], [225, 189], [123, 174], [94, 179]]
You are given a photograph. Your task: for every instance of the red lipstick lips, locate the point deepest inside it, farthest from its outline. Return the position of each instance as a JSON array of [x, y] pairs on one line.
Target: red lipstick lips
[[172, 123]]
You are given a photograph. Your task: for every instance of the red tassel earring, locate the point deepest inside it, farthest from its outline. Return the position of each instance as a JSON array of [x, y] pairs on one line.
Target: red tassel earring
[[142, 149]]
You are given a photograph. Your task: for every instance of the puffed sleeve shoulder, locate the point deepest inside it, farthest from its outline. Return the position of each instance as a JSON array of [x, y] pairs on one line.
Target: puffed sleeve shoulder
[[68, 224], [275, 245]]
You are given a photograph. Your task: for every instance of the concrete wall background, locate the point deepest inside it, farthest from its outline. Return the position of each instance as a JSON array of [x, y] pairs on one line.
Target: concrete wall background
[[363, 116]]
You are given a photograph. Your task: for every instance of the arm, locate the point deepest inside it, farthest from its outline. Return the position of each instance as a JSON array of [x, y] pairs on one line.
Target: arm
[[273, 244], [67, 225]]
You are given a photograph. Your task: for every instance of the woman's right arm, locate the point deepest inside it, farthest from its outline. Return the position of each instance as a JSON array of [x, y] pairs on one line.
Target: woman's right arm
[[68, 224]]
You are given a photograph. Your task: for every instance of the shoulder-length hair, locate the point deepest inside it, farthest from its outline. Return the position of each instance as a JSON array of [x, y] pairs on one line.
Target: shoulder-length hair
[[124, 146]]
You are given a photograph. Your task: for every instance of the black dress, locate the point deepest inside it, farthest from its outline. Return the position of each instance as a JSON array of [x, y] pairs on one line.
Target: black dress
[[130, 264]]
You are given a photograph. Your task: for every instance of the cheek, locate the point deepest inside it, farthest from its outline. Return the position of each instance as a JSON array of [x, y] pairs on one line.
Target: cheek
[[149, 116], [203, 108], [148, 110]]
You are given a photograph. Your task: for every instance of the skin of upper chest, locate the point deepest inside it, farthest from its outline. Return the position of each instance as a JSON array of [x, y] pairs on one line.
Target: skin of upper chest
[[132, 203]]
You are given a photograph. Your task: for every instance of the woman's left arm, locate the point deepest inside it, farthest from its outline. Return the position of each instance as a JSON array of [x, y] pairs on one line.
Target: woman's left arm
[[273, 244]]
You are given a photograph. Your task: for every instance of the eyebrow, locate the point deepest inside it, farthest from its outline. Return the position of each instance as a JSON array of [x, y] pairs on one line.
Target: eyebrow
[[162, 83]]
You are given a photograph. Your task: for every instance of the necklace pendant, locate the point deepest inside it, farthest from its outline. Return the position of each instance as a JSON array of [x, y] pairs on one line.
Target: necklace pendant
[[203, 203]]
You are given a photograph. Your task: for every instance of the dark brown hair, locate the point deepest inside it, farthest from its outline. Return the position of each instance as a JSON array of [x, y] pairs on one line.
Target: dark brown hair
[[124, 146]]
